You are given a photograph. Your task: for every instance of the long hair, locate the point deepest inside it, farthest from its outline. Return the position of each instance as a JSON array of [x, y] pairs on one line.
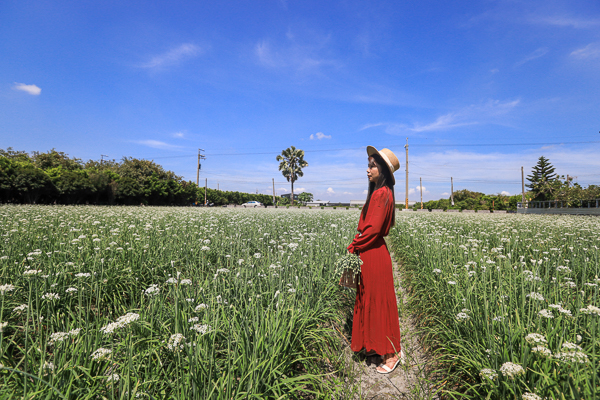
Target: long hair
[[385, 179]]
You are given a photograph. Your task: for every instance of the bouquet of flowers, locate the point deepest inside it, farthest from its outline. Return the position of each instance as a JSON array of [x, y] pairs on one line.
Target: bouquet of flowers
[[347, 267]]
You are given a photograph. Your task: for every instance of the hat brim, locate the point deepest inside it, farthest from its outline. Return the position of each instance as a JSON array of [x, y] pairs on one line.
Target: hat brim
[[372, 150]]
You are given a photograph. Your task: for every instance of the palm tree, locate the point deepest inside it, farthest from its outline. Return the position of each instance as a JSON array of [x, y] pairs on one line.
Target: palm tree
[[292, 162]]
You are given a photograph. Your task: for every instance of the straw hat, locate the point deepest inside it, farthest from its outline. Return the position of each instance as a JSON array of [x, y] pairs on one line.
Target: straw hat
[[389, 157]]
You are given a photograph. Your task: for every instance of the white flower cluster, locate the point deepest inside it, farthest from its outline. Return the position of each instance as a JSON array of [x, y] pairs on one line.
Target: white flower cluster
[[560, 309], [535, 296], [172, 281], [257, 255], [186, 282], [535, 338], [541, 351], [546, 313], [511, 370], [62, 336], [21, 308], [3, 325], [71, 290], [113, 378], [200, 306], [205, 248], [222, 271], [153, 290], [563, 269], [488, 373], [48, 366], [176, 342], [193, 319], [50, 296], [83, 275], [530, 396], [590, 310], [31, 272], [437, 271], [572, 357], [568, 346], [101, 354], [121, 322], [201, 329], [461, 316], [6, 288]]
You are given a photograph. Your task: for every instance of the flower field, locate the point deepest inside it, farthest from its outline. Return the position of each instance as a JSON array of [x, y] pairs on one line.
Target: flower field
[[509, 303], [178, 303]]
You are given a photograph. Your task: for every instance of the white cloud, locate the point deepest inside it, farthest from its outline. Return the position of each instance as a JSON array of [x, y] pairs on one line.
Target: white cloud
[[347, 193], [299, 190], [173, 56], [31, 89], [319, 136], [563, 21], [156, 144], [295, 53], [445, 194], [417, 190], [470, 115], [505, 193], [592, 50], [535, 54], [178, 134], [330, 191], [284, 190]]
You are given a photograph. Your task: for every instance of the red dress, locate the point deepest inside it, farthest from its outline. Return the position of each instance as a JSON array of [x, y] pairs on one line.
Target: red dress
[[375, 325]]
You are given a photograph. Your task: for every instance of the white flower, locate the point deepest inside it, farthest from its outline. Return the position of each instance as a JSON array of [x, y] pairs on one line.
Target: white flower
[[6, 288], [62, 336], [546, 313], [590, 310], [175, 342], [101, 354], [200, 306], [437, 271], [51, 296], [530, 396], [534, 338], [205, 248], [568, 346], [292, 290], [48, 365], [121, 322], [193, 319], [31, 272], [222, 271], [488, 373], [451, 283], [257, 255], [71, 290], [201, 329], [21, 308], [511, 370], [186, 282], [83, 275], [3, 325], [461, 316], [113, 378], [153, 290], [535, 296], [172, 281], [542, 351], [240, 261], [572, 357]]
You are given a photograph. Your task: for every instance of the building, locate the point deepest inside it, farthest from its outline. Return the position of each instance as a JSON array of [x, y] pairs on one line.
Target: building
[[317, 203], [362, 203], [289, 196]]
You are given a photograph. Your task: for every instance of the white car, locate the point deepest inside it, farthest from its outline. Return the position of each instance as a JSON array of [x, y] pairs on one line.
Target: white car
[[252, 204]]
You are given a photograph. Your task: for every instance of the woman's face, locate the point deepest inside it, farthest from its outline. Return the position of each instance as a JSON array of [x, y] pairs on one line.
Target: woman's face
[[372, 170]]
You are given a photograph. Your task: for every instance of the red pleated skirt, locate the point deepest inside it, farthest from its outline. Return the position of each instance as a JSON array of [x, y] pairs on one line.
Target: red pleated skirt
[[376, 325]]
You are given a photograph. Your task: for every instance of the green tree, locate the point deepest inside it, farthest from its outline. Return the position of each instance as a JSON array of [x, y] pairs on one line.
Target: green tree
[[541, 175], [291, 164], [305, 197]]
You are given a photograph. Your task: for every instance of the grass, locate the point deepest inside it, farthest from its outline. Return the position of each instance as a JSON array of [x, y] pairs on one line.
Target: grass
[[170, 303]]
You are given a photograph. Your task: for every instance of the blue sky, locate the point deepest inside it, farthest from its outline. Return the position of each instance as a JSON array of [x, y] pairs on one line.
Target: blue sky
[[480, 88]]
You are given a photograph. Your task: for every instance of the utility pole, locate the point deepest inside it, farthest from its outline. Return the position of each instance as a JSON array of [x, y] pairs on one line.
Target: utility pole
[[200, 157], [522, 188], [452, 190], [406, 198], [102, 158], [273, 179], [217, 186], [205, 189], [567, 180], [421, 186]]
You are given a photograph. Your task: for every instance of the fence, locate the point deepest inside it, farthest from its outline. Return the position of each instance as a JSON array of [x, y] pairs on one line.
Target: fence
[[577, 207]]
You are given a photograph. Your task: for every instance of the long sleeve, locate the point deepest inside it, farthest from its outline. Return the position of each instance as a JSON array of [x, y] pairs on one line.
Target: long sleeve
[[373, 224]]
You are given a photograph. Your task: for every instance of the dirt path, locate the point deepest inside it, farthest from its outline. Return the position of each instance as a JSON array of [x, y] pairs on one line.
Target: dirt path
[[408, 380]]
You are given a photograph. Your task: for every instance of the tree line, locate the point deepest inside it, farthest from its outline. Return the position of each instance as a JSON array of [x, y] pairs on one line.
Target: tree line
[[56, 178]]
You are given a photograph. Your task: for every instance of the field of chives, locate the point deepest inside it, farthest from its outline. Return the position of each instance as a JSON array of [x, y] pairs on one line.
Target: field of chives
[[170, 303], [508, 303]]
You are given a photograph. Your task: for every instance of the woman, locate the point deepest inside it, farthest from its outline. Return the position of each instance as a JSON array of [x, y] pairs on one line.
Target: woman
[[376, 328]]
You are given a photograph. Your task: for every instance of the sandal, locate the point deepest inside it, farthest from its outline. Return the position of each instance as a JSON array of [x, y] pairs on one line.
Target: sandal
[[386, 369]]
